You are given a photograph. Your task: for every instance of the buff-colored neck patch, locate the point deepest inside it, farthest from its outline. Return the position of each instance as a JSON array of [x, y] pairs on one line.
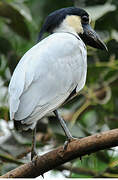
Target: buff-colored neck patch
[[75, 22]]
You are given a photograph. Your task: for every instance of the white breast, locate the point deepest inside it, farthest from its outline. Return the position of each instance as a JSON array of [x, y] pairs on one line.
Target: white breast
[[45, 77]]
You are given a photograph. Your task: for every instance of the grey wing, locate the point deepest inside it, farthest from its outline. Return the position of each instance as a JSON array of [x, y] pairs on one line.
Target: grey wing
[[44, 94], [45, 85]]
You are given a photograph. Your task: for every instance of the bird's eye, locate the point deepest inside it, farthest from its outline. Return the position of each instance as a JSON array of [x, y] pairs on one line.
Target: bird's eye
[[85, 19]]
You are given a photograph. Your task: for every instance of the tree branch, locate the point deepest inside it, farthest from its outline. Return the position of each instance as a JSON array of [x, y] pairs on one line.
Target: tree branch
[[57, 157]]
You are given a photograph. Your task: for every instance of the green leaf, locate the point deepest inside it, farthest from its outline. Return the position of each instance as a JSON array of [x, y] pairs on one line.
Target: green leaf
[[14, 20], [22, 9], [98, 11], [10, 54], [5, 45], [108, 22]]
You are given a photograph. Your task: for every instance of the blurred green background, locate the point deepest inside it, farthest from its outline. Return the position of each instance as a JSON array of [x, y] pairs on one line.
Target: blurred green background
[[94, 110]]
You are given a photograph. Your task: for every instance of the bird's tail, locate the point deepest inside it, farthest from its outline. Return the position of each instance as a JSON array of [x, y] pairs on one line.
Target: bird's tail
[[23, 127]]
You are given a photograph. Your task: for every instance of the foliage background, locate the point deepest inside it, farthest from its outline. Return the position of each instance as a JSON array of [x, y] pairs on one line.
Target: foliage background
[[94, 110]]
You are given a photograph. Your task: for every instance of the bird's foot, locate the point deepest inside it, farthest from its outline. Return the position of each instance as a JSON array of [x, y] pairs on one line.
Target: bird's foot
[[33, 154], [67, 142], [34, 158]]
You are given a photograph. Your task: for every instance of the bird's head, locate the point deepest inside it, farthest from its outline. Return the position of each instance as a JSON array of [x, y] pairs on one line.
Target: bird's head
[[74, 20]]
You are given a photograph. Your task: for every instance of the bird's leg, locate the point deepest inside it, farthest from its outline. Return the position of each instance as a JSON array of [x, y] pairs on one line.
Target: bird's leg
[[66, 130], [33, 150], [34, 155]]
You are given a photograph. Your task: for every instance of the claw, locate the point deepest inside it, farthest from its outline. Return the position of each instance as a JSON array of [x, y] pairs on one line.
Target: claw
[[67, 142], [33, 154], [34, 160]]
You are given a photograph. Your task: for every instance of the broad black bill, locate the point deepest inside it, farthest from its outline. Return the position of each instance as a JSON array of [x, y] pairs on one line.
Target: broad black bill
[[91, 38]]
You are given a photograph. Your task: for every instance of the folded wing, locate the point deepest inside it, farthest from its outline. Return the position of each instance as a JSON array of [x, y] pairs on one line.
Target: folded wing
[[45, 77]]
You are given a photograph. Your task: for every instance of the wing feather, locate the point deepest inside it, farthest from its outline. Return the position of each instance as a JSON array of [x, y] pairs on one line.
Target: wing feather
[[45, 77]]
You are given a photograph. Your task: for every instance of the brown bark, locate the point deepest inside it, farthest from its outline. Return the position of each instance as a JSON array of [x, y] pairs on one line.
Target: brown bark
[[76, 148]]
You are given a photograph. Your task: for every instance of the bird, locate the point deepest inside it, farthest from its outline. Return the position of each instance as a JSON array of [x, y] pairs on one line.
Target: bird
[[53, 70]]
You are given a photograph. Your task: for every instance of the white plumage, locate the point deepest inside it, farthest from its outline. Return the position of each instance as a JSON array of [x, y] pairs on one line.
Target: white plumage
[[46, 75], [51, 71]]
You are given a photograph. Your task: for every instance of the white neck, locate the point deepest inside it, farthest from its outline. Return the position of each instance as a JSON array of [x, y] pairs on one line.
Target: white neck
[[64, 27]]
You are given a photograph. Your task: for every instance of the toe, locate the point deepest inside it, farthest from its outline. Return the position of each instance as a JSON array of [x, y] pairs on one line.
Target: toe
[[33, 154], [68, 141], [34, 160]]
